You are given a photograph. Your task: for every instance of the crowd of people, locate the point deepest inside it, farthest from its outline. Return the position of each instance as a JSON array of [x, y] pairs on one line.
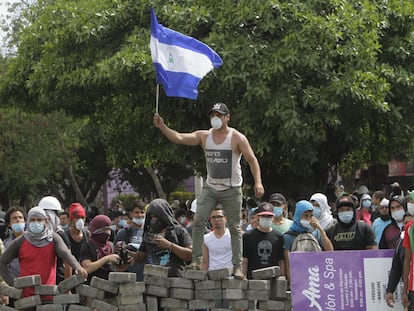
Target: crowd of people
[[56, 242]]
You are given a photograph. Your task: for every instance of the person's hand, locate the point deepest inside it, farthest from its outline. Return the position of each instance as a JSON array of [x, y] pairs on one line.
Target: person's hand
[[162, 242], [390, 300], [113, 259], [405, 300], [158, 120], [258, 190], [315, 224], [82, 272]]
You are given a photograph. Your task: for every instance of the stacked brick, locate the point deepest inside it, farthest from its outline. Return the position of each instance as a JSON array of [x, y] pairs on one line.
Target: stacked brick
[[195, 290]]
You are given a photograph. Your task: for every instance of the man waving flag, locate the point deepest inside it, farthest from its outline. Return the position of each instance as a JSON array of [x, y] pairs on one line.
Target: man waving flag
[[180, 61]]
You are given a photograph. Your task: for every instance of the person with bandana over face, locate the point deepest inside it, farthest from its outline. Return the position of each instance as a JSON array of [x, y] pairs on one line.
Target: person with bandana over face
[[98, 256], [76, 233], [350, 233], [36, 250], [165, 241], [397, 208], [304, 222], [223, 147]]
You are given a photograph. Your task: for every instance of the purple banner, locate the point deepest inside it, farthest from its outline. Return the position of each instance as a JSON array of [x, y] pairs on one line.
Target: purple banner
[[341, 280]]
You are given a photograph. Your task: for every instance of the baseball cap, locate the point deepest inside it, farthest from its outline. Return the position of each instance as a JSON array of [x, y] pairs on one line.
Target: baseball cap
[[345, 201], [220, 108], [277, 197], [265, 209]]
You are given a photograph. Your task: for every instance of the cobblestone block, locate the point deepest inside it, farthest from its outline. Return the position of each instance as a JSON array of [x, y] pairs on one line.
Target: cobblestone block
[[173, 303], [71, 282], [252, 294], [50, 307], [156, 270], [157, 280], [266, 273], [27, 281], [102, 305], [105, 285], [233, 283], [239, 304], [219, 274], [181, 283], [136, 307], [208, 294], [152, 303], [271, 305], [66, 299], [278, 288], [182, 293], [89, 291], [201, 304], [157, 291], [132, 288], [78, 308], [191, 274], [27, 302], [122, 277], [15, 293], [208, 284], [46, 290], [233, 294], [258, 284], [129, 299]]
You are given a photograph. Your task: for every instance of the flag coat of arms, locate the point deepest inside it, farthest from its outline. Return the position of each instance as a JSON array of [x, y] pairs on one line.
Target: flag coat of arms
[[180, 61]]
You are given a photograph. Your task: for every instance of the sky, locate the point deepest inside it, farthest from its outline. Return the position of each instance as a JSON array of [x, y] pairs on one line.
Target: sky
[[3, 11]]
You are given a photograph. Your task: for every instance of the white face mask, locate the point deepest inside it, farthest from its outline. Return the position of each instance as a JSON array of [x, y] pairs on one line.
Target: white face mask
[[138, 221], [216, 122], [265, 222], [79, 224], [398, 215], [305, 223], [410, 208]]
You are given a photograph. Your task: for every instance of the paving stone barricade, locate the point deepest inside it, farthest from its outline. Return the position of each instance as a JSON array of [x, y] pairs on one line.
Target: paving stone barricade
[[196, 290]]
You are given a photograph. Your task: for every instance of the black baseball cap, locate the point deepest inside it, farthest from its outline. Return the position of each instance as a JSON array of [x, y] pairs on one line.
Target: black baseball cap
[[278, 198], [265, 209], [345, 201], [220, 108]]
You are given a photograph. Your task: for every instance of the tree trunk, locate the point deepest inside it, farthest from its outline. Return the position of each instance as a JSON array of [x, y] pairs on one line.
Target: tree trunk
[[156, 181]]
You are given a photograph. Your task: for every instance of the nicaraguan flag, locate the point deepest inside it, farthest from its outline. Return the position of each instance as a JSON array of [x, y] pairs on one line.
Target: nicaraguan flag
[[180, 61]]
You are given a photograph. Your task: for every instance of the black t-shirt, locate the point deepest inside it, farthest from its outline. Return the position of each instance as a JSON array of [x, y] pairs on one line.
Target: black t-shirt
[[262, 249], [165, 257], [356, 237], [74, 246], [89, 252]]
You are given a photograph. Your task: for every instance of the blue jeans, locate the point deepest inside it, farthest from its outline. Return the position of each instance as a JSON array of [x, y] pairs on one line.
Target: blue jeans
[[207, 201]]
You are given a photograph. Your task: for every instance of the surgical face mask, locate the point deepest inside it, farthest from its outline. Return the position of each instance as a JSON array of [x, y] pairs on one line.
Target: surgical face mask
[[18, 227], [138, 221], [305, 223], [112, 227], [346, 217], [36, 227], [278, 211], [216, 122], [366, 203], [410, 208], [64, 227], [156, 225], [122, 223], [398, 215], [317, 212], [79, 224], [182, 220], [265, 222]]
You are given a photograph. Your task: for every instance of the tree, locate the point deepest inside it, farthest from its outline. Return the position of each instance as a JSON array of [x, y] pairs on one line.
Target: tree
[[315, 85]]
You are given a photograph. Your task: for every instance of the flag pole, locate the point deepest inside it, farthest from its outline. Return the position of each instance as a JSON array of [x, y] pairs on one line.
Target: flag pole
[[157, 95]]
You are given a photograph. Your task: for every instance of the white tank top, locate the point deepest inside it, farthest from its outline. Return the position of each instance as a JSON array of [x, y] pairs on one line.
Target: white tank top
[[223, 164], [219, 251]]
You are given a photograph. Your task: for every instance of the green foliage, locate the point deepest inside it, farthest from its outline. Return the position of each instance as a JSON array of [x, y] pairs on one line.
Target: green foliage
[[312, 84], [181, 196]]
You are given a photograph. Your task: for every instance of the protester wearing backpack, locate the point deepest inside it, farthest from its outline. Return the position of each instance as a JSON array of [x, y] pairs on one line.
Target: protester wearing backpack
[[262, 246], [305, 234], [350, 233]]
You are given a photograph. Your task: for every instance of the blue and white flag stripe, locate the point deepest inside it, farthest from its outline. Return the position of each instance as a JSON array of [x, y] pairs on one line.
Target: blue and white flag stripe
[[180, 61]]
